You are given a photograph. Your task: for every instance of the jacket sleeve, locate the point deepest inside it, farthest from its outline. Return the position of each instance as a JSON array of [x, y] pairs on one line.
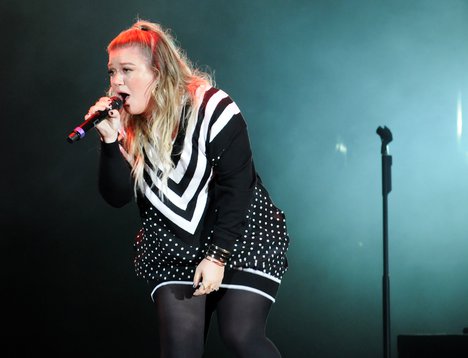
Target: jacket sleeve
[[234, 181], [114, 179]]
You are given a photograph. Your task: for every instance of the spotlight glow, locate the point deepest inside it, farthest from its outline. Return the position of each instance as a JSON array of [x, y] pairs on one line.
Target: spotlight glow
[[341, 148]]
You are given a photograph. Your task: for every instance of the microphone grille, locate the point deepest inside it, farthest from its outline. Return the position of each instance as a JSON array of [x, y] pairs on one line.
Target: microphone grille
[[116, 102]]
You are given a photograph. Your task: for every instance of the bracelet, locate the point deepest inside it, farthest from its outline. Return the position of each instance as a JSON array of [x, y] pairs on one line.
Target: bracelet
[[217, 262], [218, 253]]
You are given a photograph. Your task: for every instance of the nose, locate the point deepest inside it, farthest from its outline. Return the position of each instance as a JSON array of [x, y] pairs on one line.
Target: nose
[[117, 79]]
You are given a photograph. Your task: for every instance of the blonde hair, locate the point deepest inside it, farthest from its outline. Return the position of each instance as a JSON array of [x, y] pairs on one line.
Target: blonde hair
[[150, 135]]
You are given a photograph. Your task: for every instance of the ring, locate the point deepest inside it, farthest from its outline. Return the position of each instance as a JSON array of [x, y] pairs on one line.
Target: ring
[[202, 285]]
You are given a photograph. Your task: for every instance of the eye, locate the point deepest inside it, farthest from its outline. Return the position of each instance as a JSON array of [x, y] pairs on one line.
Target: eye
[[110, 72], [126, 69]]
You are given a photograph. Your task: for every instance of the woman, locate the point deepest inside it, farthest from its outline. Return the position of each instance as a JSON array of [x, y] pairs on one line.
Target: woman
[[211, 240]]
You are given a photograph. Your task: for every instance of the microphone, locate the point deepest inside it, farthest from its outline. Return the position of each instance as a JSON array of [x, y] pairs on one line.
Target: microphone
[[80, 131]]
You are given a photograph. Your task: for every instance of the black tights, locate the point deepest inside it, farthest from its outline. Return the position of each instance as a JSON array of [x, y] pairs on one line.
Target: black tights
[[183, 322]]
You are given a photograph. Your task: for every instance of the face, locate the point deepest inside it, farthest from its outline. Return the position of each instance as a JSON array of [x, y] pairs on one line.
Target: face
[[131, 78]]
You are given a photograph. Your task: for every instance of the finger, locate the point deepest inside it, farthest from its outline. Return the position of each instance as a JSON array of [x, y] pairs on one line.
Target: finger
[[196, 278], [210, 288], [201, 290], [103, 104], [95, 109], [113, 113], [204, 289], [104, 101]]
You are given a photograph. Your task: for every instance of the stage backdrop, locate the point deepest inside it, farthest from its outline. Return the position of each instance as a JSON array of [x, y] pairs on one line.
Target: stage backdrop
[[314, 80]]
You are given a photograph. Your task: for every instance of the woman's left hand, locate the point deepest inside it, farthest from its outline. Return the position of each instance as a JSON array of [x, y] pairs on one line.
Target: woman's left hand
[[208, 277]]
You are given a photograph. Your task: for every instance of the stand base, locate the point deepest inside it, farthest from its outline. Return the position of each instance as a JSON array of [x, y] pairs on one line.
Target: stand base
[[433, 346]]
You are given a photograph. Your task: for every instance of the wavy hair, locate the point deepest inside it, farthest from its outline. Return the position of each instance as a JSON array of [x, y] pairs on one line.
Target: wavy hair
[[180, 86]]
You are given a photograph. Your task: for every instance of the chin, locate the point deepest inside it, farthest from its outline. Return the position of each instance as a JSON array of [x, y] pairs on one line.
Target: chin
[[132, 112], [137, 110]]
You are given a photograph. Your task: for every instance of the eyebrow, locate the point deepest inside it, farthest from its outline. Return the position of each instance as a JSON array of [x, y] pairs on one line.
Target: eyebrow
[[123, 64]]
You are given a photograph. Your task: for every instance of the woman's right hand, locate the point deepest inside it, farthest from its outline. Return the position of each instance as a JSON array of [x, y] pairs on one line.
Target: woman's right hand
[[108, 128]]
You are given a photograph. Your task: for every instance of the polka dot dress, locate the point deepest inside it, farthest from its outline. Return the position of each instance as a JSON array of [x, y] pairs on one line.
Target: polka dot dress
[[209, 193], [257, 263]]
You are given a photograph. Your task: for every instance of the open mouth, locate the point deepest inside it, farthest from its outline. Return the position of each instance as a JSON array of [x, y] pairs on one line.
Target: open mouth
[[124, 96]]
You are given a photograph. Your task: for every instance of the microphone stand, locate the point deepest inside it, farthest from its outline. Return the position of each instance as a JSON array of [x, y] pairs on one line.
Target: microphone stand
[[386, 137]]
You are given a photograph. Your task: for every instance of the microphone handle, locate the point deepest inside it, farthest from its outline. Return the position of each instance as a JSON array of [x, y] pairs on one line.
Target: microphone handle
[[80, 131]]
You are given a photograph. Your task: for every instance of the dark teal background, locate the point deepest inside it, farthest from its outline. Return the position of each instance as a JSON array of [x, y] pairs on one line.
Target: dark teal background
[[314, 80]]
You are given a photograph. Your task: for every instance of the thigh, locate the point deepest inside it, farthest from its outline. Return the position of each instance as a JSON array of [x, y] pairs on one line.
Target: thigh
[[241, 310], [242, 317], [181, 320]]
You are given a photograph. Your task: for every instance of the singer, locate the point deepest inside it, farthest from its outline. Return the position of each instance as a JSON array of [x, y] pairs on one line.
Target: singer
[[211, 238]]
